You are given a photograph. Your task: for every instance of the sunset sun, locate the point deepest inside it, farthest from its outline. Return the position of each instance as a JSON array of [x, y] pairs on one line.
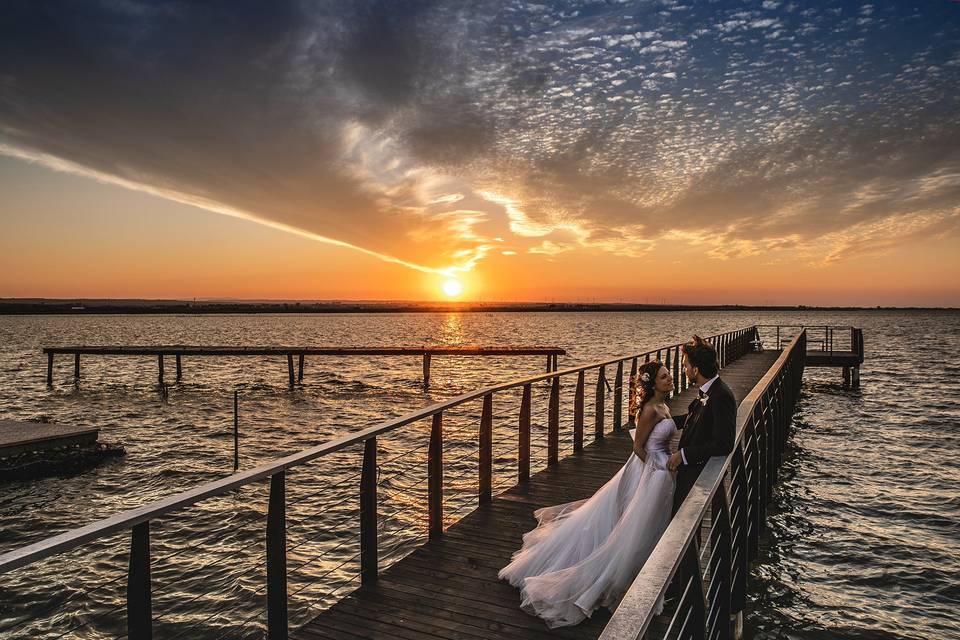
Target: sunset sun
[[452, 288]]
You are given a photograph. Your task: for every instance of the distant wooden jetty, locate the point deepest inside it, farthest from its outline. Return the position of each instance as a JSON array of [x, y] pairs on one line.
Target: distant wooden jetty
[[447, 588], [181, 351]]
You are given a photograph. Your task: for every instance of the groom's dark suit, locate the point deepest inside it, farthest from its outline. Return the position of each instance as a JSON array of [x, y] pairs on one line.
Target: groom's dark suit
[[708, 429]]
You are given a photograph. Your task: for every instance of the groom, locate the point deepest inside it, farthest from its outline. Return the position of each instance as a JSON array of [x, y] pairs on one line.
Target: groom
[[709, 426]]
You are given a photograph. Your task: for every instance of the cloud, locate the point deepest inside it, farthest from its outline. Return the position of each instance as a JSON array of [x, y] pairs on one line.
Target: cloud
[[423, 132]]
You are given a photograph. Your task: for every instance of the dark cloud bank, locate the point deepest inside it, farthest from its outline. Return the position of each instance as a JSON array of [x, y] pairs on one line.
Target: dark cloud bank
[[436, 132]]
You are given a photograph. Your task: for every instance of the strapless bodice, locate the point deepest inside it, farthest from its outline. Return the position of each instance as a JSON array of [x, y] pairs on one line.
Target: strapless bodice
[[659, 440]]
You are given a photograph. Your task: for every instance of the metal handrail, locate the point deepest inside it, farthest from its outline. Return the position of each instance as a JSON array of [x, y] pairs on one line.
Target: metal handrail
[[637, 608], [133, 517]]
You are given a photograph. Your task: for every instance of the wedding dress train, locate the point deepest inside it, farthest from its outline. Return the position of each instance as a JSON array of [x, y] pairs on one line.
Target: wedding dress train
[[585, 554]]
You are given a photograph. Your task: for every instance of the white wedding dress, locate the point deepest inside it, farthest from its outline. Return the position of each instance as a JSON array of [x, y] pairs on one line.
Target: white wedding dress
[[585, 554]]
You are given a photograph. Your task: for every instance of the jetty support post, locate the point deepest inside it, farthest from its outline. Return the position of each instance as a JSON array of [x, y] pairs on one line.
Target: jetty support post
[[368, 513], [855, 372], [300, 369], [426, 369], [290, 369], [179, 369], [159, 369], [50, 369], [139, 606], [435, 477], [846, 377], [486, 450], [76, 367], [277, 558]]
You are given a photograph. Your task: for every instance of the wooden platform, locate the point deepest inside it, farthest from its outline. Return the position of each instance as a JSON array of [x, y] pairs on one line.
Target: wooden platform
[[17, 437], [448, 588]]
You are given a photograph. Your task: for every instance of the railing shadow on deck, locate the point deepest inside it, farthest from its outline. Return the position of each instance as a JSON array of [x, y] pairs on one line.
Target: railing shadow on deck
[[736, 490], [138, 603]]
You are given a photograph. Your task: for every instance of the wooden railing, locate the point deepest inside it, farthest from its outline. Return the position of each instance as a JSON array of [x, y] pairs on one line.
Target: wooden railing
[[735, 489], [820, 338], [139, 614]]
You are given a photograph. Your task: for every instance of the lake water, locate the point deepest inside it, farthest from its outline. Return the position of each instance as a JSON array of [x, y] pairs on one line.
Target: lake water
[[864, 530]]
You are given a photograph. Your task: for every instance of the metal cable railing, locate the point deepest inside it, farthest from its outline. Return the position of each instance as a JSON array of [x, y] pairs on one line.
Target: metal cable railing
[[530, 444]]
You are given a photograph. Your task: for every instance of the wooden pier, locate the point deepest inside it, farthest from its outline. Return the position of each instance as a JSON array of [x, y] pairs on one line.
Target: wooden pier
[[179, 352], [448, 588]]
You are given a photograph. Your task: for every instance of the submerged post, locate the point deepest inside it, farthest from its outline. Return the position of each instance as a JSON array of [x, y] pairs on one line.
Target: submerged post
[[236, 429], [159, 369], [300, 368], [179, 369], [426, 370], [50, 369], [76, 367], [290, 369]]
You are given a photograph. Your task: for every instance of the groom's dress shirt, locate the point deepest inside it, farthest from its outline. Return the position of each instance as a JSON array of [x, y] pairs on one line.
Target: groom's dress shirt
[[703, 391]]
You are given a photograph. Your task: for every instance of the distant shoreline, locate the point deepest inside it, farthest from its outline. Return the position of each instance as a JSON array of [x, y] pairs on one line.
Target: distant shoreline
[[13, 306]]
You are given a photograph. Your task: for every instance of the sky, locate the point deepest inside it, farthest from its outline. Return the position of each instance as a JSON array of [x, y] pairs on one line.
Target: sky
[[674, 151]]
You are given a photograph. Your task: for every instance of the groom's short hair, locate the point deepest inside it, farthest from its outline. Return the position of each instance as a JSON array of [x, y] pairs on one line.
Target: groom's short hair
[[703, 356]]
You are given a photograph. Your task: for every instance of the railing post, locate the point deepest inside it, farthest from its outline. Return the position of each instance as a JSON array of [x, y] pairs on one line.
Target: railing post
[[435, 477], [486, 449], [631, 419], [618, 398], [139, 605], [669, 363], [277, 558], [677, 381], [523, 437], [368, 513], [599, 407], [697, 598], [720, 511], [578, 414], [739, 532], [553, 423]]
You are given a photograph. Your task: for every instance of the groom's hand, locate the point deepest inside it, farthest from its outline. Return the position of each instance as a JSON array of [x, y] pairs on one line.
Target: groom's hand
[[642, 454], [674, 461]]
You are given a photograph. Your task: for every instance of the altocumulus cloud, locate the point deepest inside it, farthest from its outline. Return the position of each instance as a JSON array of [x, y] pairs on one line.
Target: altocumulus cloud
[[430, 133]]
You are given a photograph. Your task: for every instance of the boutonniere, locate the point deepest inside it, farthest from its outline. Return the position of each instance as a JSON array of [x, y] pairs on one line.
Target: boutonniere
[[703, 400]]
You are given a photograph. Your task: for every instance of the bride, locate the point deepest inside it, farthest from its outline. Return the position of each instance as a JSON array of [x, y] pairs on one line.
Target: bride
[[585, 554]]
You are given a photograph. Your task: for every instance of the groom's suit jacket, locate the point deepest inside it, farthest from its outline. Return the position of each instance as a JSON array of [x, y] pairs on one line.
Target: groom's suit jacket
[[707, 430]]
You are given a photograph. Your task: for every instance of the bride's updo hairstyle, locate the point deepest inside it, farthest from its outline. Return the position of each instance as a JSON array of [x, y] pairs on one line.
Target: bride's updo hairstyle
[[646, 379]]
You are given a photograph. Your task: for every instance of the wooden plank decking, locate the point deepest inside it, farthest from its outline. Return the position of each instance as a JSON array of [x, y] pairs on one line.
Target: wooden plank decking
[[448, 588]]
